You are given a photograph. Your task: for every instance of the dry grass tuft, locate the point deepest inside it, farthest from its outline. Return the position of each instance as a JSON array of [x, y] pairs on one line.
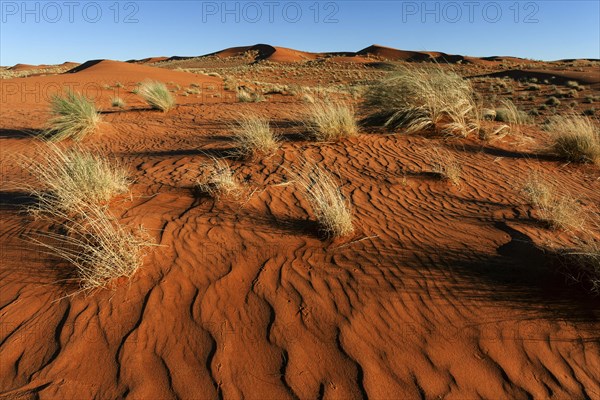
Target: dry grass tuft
[[245, 96], [117, 102], [582, 265], [329, 121], [446, 165], [75, 117], [75, 187], [218, 180], [73, 177], [94, 242], [253, 136], [157, 95], [417, 99], [331, 209], [575, 138], [560, 211]]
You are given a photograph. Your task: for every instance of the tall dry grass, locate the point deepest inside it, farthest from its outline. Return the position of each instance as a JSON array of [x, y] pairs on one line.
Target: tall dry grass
[[328, 121], [217, 179], [445, 164], [95, 243], [72, 191], [559, 210], [157, 95], [417, 99], [74, 117], [253, 136], [332, 211], [575, 138], [70, 177]]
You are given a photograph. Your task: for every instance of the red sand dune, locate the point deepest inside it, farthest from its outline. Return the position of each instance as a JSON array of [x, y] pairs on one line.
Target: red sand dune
[[28, 67], [268, 52], [286, 55], [443, 292], [96, 79], [148, 60]]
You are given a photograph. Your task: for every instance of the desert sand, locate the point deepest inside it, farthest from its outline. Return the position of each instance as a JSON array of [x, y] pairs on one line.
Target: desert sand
[[443, 291]]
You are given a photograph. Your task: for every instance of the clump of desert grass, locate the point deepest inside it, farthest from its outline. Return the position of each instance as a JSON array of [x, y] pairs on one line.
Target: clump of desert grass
[[417, 99], [72, 193], [446, 166], [509, 113], [557, 209], [74, 117], [95, 243], [245, 96], [157, 95], [117, 102], [218, 179], [332, 211], [329, 121], [582, 264], [72, 177], [575, 138], [253, 136]]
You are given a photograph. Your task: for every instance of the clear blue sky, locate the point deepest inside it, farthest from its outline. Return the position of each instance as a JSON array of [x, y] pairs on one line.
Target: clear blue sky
[[48, 32]]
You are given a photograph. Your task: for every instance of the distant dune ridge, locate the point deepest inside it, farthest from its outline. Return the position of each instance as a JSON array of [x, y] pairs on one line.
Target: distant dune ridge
[[285, 55]]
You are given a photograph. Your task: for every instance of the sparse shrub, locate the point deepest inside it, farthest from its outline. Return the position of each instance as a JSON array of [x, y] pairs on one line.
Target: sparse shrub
[[157, 95], [560, 211], [327, 121], [418, 98], [254, 136], [553, 101], [446, 165], [573, 84], [218, 180], [75, 117], [117, 102], [575, 138], [331, 209], [192, 91]]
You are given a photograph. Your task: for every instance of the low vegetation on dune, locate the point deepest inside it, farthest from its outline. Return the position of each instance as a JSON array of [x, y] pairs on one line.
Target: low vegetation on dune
[[558, 210], [74, 188], [582, 264], [93, 241], [117, 102], [446, 165], [417, 99], [245, 96], [74, 117], [575, 138], [329, 121], [157, 95], [72, 177], [509, 113], [331, 209], [217, 179], [253, 136]]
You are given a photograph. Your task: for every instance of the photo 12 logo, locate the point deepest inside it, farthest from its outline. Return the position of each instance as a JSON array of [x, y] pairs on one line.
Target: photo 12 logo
[[469, 12], [253, 12], [53, 12]]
